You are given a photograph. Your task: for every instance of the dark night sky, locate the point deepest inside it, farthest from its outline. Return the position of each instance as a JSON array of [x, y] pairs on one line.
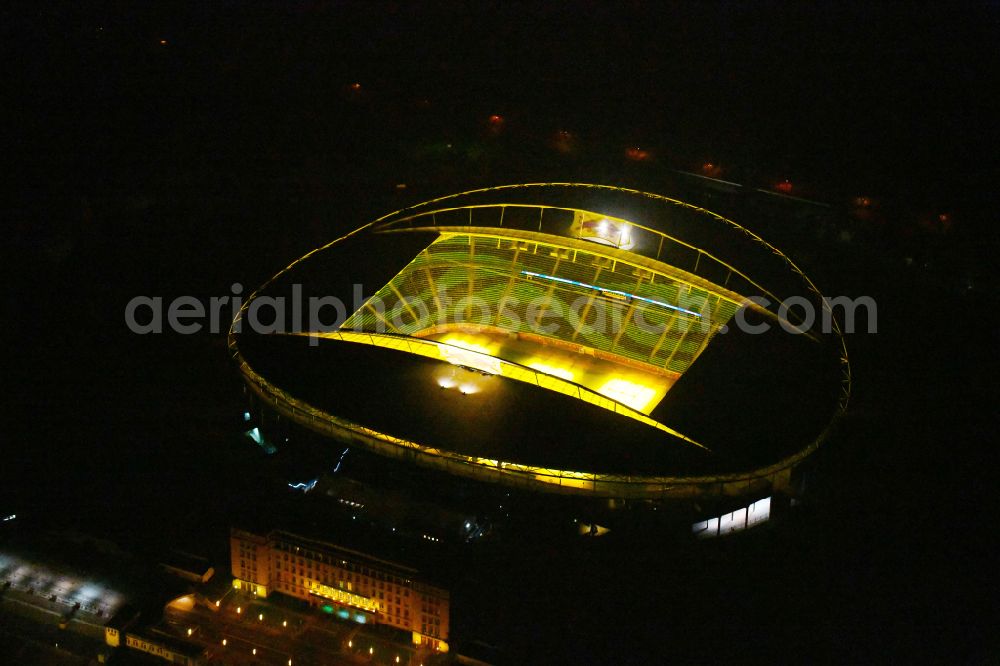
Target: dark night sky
[[135, 167], [874, 96]]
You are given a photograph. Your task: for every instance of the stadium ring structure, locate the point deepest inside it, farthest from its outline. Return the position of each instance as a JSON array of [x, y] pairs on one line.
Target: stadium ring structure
[[557, 337]]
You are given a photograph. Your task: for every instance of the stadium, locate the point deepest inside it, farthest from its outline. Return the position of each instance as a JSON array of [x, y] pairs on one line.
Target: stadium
[[562, 339]]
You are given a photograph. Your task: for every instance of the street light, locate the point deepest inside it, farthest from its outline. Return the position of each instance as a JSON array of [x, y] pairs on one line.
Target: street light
[[223, 642], [371, 650], [255, 652], [284, 623], [261, 617]]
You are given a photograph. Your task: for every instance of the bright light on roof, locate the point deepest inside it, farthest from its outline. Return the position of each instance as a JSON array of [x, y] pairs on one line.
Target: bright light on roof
[[459, 351], [616, 233], [88, 591], [552, 370], [628, 393], [465, 343]]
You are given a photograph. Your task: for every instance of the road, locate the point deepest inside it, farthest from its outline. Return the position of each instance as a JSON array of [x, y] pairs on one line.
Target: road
[[252, 631]]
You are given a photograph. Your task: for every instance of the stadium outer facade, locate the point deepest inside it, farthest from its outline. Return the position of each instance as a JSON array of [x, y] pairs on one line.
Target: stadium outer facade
[[586, 246]]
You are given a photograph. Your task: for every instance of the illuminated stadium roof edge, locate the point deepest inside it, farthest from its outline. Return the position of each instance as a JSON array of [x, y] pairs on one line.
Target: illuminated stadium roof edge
[[594, 257]]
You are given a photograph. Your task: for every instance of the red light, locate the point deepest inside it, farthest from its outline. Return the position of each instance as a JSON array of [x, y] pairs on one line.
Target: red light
[[940, 223], [355, 86], [784, 186], [495, 124], [637, 154], [564, 141]]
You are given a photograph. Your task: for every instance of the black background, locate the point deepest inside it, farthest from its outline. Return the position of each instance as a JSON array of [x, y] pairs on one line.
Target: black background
[[135, 167]]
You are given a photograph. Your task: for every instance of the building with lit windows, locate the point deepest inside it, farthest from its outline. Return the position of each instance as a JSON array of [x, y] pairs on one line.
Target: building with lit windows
[[579, 340], [351, 585]]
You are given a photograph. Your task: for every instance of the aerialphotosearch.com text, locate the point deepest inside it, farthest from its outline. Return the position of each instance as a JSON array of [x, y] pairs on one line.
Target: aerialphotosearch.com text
[[546, 315]]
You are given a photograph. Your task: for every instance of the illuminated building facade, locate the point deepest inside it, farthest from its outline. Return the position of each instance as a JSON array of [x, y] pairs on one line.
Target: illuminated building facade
[[342, 582], [167, 649]]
